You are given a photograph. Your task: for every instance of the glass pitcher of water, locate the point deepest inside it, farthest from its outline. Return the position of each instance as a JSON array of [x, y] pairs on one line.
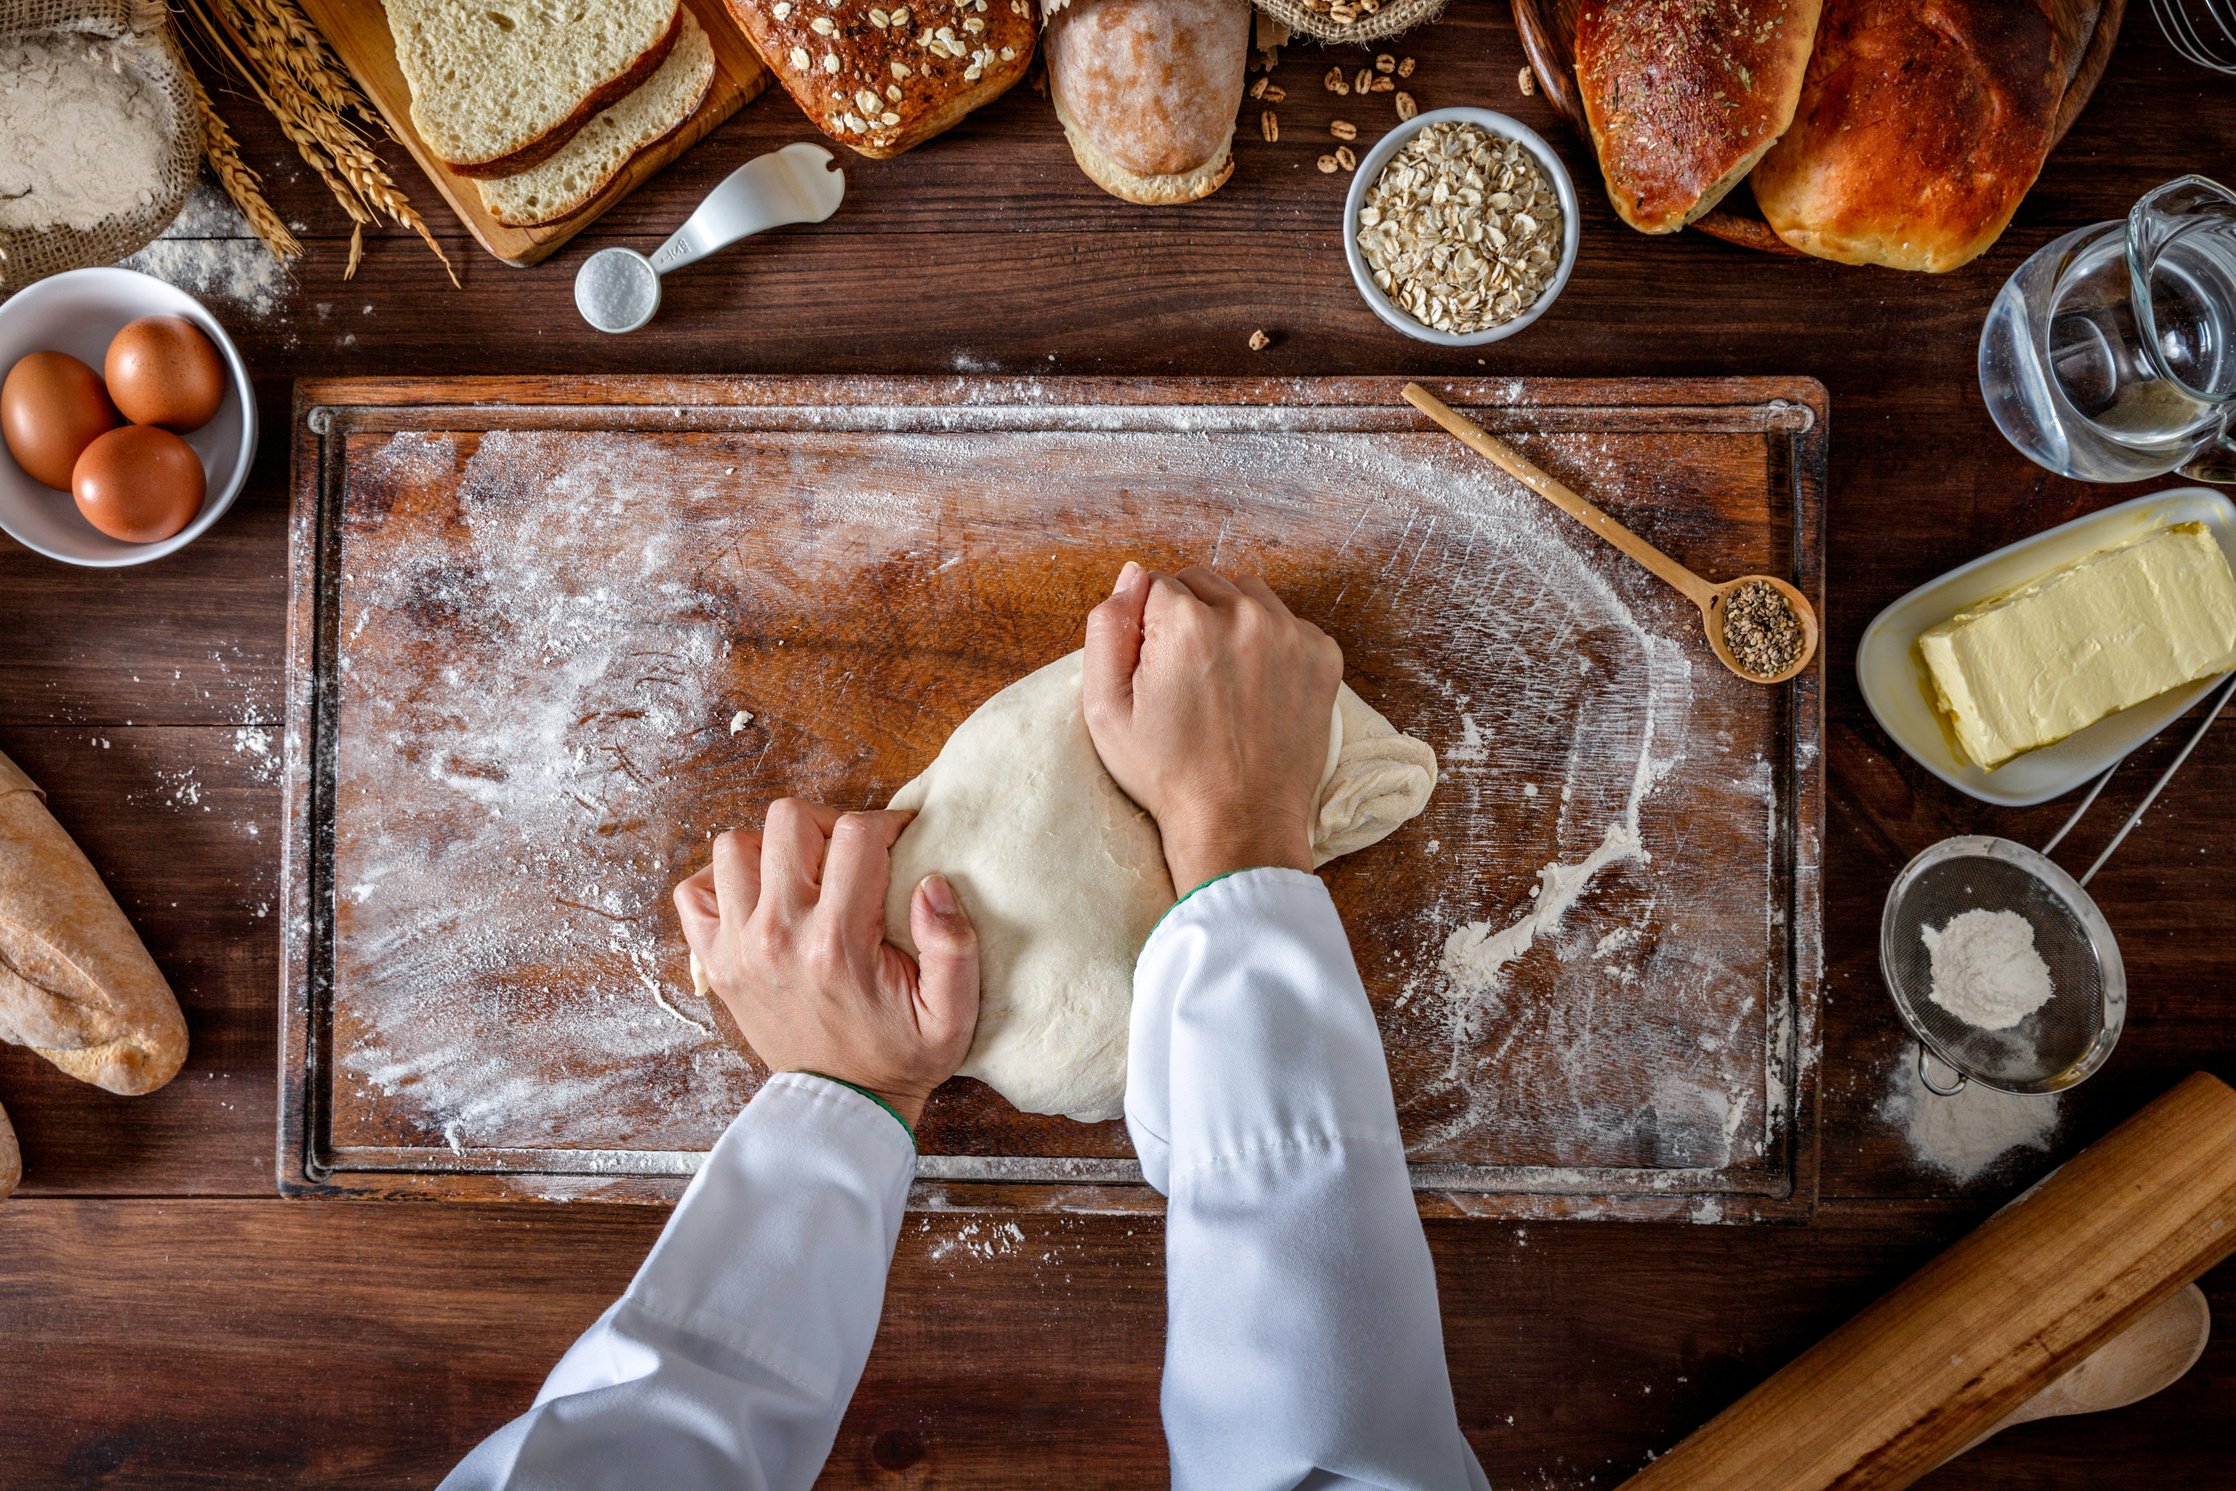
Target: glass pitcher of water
[[2108, 355]]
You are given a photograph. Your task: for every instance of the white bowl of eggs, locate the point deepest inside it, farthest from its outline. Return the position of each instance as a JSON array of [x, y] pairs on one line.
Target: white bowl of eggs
[[127, 422]]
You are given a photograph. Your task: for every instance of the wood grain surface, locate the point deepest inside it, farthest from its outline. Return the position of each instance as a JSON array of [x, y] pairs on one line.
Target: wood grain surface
[[171, 1322], [358, 32], [629, 612]]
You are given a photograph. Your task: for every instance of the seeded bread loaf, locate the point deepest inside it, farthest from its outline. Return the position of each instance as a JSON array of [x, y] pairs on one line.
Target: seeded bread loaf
[[1920, 131], [583, 166], [76, 985], [1146, 91], [499, 86], [1684, 96], [881, 81]]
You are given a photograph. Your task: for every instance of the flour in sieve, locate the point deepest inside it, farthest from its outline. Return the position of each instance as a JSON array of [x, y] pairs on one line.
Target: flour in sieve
[[1985, 969]]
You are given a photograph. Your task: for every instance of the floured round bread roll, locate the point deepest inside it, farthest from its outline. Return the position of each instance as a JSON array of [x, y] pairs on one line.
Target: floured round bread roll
[[1146, 91], [1064, 877]]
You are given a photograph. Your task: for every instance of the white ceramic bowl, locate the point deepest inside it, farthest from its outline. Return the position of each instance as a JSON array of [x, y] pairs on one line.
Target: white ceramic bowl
[[78, 313], [1899, 691], [1371, 168]]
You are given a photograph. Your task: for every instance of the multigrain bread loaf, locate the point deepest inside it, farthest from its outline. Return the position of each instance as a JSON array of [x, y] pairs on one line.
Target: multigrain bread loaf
[[883, 80], [1684, 96], [1146, 91], [583, 166], [1920, 128], [498, 86], [76, 985]]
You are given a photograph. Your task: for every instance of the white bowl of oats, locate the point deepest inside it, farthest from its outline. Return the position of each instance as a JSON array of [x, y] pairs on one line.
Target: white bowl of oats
[[1460, 227]]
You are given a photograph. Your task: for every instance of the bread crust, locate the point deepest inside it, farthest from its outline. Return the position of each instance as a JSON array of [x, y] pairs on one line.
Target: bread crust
[[1684, 96], [937, 86], [11, 1158], [76, 983], [1146, 91], [1921, 127], [552, 141], [497, 211]]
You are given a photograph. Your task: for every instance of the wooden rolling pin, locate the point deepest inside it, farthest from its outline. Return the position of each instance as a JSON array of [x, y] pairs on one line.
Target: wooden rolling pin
[[1982, 1328]]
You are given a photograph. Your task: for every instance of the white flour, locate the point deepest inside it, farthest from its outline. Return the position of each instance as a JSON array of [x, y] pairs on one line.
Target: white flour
[[1964, 1135], [211, 253], [82, 133], [1985, 969]]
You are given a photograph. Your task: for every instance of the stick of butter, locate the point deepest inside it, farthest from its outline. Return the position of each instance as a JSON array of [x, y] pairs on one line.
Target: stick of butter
[[2118, 627]]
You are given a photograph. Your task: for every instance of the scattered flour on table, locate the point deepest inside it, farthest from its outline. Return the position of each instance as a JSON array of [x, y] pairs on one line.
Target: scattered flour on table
[[1962, 1136], [211, 253], [1985, 969], [83, 134]]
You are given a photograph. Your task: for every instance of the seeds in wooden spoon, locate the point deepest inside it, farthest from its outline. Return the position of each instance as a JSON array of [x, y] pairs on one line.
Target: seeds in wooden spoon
[[1760, 630]]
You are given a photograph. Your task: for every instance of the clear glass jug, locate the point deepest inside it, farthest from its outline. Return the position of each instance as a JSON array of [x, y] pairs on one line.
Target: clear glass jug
[[2107, 356]]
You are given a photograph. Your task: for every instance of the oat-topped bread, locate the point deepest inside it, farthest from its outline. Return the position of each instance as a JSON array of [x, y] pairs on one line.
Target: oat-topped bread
[[1921, 127], [498, 86], [1684, 96], [884, 79], [583, 166]]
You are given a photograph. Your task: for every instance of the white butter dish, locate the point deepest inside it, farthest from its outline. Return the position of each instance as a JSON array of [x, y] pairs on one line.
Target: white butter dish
[[1900, 695]]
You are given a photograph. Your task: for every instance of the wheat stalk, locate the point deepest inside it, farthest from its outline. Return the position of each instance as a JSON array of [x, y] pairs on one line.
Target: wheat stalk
[[242, 184], [284, 62]]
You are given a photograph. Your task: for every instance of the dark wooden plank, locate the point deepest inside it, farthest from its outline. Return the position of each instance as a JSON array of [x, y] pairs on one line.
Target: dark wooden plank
[[384, 1341]]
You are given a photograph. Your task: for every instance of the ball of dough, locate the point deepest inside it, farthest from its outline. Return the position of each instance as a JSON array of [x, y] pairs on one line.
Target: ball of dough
[[1064, 877]]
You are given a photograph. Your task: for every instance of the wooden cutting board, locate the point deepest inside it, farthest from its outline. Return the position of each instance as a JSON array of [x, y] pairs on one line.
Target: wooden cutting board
[[358, 32], [549, 635]]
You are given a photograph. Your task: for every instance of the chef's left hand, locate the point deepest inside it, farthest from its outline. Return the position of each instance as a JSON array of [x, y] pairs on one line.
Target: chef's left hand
[[789, 924]]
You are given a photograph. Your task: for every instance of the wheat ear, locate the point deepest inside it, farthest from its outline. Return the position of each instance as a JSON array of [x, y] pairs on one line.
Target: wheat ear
[[242, 184]]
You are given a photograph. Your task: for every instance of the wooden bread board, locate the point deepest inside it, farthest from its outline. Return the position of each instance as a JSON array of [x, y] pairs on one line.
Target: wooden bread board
[[548, 635], [358, 32], [1548, 29]]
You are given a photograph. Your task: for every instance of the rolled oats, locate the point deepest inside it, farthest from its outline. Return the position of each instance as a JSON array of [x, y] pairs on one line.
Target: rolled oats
[[1327, 165], [1259, 341], [1405, 106], [1343, 129], [1269, 126], [1462, 230], [1385, 63], [1526, 81], [1335, 81], [1365, 80], [1345, 159], [1405, 68]]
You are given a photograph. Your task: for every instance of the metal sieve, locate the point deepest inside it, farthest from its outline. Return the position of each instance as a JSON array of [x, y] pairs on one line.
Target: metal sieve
[[2073, 1033]]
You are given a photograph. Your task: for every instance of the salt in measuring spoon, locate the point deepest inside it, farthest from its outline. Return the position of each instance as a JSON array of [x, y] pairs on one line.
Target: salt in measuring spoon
[[1706, 594], [618, 289]]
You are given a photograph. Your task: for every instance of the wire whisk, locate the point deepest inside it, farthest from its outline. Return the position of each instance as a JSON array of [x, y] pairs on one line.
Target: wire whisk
[[2203, 31]]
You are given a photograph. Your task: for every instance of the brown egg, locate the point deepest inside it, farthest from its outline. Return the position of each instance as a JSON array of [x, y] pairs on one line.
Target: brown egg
[[140, 484], [163, 371], [51, 408]]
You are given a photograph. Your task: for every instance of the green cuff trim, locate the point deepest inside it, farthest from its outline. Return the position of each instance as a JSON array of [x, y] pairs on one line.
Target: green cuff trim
[[1175, 906], [873, 1097]]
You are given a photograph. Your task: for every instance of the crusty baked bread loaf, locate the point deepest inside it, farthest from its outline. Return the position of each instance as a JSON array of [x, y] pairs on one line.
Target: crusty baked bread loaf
[[498, 86], [583, 166], [1921, 126], [76, 985], [1146, 91], [11, 1158], [882, 81], [1684, 96]]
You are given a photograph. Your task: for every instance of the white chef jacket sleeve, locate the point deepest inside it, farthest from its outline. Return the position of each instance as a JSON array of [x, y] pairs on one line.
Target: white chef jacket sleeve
[[1303, 1345], [730, 1360]]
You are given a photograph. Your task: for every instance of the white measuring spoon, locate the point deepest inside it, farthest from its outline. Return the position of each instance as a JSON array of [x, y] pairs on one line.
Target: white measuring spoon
[[618, 289]]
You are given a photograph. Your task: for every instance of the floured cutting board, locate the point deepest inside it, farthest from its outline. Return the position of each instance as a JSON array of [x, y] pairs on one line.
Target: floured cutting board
[[548, 635], [358, 32]]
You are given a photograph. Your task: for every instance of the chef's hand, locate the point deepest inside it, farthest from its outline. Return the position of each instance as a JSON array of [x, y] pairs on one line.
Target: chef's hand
[[789, 924], [1210, 703]]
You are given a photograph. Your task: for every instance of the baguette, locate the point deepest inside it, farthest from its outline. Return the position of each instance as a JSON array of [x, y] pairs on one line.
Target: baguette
[[1146, 91], [76, 985], [500, 86], [581, 170], [883, 81]]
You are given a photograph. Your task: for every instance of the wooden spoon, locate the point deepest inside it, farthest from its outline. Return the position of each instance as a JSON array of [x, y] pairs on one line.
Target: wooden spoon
[[2148, 1356], [1708, 596]]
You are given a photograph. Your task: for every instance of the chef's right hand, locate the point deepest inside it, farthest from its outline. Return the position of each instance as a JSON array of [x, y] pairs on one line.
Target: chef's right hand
[[789, 925], [1209, 703]]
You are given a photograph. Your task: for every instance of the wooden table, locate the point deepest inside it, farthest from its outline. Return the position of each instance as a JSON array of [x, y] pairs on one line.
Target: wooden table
[[169, 1320]]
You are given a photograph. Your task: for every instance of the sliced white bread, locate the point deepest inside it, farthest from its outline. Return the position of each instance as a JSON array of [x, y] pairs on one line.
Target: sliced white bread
[[584, 165], [498, 86]]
